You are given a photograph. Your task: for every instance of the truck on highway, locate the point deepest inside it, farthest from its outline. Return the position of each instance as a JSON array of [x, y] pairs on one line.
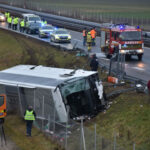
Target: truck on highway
[[32, 23], [123, 39]]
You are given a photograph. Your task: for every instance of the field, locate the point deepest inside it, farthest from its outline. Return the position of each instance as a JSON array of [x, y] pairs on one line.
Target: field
[[128, 117]]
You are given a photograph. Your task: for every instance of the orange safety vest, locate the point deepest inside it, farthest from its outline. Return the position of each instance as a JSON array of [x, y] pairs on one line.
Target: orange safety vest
[[84, 32], [93, 33]]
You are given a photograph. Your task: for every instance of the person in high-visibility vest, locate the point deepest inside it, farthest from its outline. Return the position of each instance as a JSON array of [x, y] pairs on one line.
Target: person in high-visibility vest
[[89, 41], [7, 14], [29, 117], [9, 21], [93, 34], [15, 23], [44, 22], [84, 32], [22, 25]]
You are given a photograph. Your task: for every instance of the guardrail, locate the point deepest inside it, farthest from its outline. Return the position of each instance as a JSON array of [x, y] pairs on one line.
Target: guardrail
[[61, 21]]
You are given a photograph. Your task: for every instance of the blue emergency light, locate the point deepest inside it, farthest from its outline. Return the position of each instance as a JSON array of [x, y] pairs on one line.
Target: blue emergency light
[[122, 27]]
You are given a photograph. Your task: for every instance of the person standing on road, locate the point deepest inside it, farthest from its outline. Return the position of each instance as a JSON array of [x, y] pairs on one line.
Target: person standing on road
[[89, 41], [22, 25], [9, 21], [94, 63], [84, 32], [29, 116], [12, 23], [7, 14], [93, 34]]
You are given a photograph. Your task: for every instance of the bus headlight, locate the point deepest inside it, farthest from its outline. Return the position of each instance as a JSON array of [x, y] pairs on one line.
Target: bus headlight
[[122, 51], [140, 50]]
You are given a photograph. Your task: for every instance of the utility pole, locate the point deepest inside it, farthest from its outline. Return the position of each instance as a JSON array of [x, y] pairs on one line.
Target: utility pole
[[24, 3]]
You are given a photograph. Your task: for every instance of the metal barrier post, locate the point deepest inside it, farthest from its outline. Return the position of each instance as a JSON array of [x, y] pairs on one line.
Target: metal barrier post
[[43, 113], [95, 136], [20, 100]]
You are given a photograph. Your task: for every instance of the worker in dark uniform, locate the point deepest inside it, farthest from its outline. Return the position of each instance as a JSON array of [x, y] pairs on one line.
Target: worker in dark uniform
[[29, 116], [94, 63]]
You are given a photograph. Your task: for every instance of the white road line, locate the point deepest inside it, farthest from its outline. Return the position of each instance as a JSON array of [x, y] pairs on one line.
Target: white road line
[[137, 68]]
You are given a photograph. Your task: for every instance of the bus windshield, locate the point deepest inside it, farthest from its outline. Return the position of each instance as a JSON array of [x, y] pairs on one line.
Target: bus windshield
[[130, 36]]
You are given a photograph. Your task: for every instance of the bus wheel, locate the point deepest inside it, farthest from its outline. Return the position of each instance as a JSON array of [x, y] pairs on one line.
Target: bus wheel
[[139, 57]]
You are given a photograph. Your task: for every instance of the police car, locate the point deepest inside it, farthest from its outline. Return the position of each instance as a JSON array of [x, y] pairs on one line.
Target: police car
[[45, 30], [60, 35]]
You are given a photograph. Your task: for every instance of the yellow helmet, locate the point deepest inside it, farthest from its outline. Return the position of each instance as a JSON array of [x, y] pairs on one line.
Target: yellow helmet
[[89, 32]]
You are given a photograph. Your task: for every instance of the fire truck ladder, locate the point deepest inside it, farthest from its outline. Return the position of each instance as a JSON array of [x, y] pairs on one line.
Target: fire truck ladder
[[2, 134]]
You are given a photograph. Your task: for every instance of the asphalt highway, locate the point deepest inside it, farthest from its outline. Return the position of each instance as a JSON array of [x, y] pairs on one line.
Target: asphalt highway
[[133, 67]]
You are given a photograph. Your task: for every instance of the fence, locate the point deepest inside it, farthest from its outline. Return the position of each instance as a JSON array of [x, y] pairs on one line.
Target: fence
[[117, 66], [71, 135], [92, 14]]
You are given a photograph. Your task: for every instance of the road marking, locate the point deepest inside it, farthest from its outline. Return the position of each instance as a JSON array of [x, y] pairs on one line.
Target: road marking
[[137, 68]]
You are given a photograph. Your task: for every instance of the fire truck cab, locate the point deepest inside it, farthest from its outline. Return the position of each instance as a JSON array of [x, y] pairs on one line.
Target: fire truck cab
[[123, 39]]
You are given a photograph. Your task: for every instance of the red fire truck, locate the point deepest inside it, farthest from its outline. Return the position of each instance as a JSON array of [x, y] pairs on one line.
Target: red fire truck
[[122, 38]]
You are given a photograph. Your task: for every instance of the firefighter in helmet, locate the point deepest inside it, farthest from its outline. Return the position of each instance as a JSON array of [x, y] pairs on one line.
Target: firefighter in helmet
[[89, 41]]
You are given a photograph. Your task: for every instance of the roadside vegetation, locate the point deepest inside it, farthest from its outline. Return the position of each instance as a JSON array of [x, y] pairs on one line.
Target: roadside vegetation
[[129, 114], [15, 128]]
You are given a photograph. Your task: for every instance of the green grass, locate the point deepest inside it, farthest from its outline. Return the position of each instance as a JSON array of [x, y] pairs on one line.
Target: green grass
[[15, 49], [15, 128], [129, 118]]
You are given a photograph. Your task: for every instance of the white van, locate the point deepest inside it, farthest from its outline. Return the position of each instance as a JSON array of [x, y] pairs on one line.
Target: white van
[[32, 23]]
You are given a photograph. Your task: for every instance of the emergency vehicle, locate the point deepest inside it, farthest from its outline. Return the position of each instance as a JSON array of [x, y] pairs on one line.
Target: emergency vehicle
[[2, 106], [122, 38]]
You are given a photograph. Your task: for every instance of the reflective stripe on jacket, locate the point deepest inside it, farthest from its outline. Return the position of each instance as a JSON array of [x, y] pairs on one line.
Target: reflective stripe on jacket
[[29, 115]]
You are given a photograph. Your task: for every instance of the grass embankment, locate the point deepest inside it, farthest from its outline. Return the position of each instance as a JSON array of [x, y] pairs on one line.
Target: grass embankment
[[15, 128], [16, 49], [128, 118]]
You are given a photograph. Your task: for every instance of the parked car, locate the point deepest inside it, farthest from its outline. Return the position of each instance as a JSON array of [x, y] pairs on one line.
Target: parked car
[[45, 31], [60, 35], [2, 17], [32, 23]]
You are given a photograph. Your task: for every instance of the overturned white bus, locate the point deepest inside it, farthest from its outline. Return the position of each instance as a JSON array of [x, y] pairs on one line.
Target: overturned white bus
[[69, 92]]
